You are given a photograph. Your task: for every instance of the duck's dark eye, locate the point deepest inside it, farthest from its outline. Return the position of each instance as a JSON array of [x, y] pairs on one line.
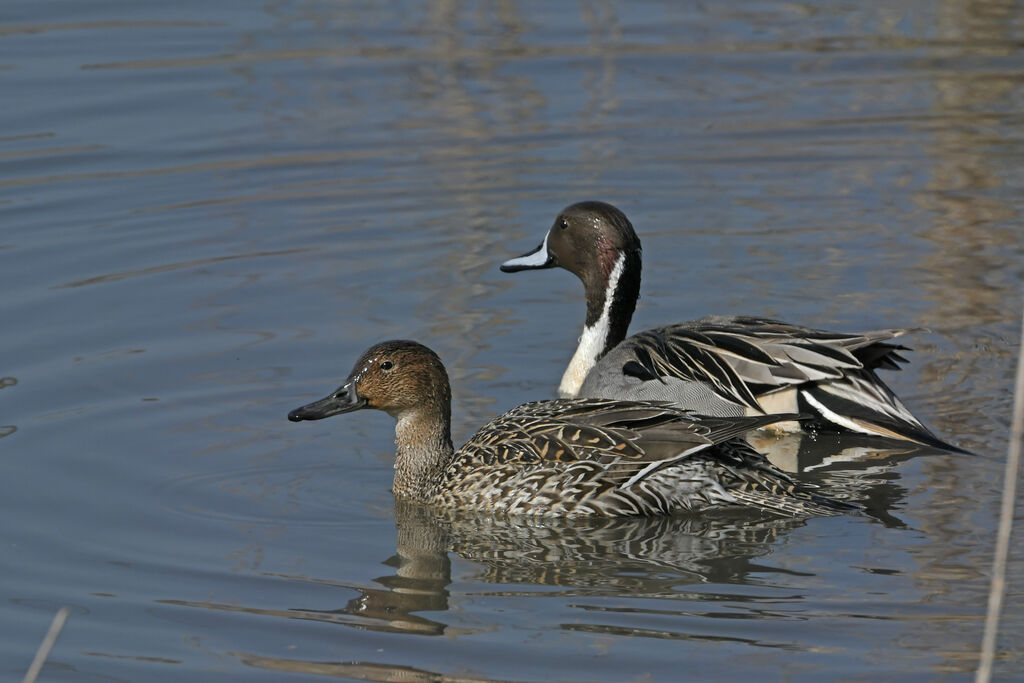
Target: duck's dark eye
[[387, 365], [563, 224]]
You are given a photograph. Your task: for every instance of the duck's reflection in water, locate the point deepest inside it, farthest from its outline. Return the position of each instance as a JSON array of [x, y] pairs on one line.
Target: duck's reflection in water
[[807, 451], [420, 582], [639, 557], [852, 467], [633, 558]]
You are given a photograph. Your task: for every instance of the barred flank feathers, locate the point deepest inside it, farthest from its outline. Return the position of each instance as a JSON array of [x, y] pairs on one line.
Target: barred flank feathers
[[798, 503]]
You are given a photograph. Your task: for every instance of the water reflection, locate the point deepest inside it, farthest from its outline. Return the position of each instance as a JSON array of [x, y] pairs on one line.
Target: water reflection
[[803, 452], [643, 557], [709, 566], [419, 583], [639, 557], [352, 171], [363, 671], [636, 558]]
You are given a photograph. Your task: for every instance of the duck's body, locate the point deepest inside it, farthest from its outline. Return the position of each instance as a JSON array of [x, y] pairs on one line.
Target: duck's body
[[570, 457], [721, 366], [565, 457], [728, 366]]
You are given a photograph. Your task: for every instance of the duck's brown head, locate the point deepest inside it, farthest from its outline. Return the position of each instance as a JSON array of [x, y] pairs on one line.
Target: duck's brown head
[[586, 239], [399, 377], [597, 243]]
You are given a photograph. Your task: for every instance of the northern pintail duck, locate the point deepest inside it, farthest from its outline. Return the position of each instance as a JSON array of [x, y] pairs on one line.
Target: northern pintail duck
[[560, 457], [721, 366]]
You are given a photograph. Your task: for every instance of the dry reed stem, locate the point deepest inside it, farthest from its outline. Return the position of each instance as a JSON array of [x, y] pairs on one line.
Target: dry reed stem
[[48, 642], [998, 588]]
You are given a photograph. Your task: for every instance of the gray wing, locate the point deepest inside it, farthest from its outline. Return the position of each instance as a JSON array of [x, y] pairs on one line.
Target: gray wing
[[720, 362]]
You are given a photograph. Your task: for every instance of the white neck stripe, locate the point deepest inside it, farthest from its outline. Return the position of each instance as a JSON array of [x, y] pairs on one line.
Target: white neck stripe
[[593, 340]]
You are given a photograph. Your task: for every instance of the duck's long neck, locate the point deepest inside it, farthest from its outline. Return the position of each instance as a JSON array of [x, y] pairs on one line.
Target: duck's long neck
[[425, 449], [609, 311]]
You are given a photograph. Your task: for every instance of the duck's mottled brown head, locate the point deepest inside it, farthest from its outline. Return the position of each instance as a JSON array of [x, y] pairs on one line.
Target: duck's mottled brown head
[[399, 377]]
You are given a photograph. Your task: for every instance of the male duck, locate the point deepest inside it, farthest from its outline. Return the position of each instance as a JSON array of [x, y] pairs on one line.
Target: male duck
[[722, 366], [564, 457]]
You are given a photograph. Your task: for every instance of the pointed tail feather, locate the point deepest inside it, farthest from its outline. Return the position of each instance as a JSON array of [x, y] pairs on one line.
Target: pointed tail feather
[[863, 403]]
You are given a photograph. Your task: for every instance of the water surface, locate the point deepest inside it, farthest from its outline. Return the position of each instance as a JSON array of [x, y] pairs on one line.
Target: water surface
[[208, 210]]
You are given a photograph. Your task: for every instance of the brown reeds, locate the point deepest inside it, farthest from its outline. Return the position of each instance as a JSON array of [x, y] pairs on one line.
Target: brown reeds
[[998, 586]]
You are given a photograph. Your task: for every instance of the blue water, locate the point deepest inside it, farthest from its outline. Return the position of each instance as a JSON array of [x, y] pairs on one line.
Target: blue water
[[209, 209]]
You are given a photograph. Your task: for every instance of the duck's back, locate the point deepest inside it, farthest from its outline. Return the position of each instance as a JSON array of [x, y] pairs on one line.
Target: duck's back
[[573, 457], [728, 366]]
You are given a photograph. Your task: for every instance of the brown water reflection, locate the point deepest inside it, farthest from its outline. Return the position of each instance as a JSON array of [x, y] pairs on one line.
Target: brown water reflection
[[964, 280]]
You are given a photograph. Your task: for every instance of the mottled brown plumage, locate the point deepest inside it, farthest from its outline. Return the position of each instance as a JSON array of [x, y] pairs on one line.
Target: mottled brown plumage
[[561, 457]]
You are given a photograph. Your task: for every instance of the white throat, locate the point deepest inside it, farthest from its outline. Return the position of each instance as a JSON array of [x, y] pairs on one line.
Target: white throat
[[592, 341]]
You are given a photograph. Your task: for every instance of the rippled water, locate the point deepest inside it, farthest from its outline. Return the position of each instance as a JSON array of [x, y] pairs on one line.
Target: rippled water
[[208, 209]]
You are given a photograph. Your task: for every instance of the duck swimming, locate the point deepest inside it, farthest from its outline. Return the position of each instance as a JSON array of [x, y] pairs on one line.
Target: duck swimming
[[564, 457], [721, 366]]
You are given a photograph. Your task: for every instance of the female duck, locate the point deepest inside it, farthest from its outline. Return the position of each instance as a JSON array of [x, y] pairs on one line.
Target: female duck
[[722, 366], [562, 457]]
